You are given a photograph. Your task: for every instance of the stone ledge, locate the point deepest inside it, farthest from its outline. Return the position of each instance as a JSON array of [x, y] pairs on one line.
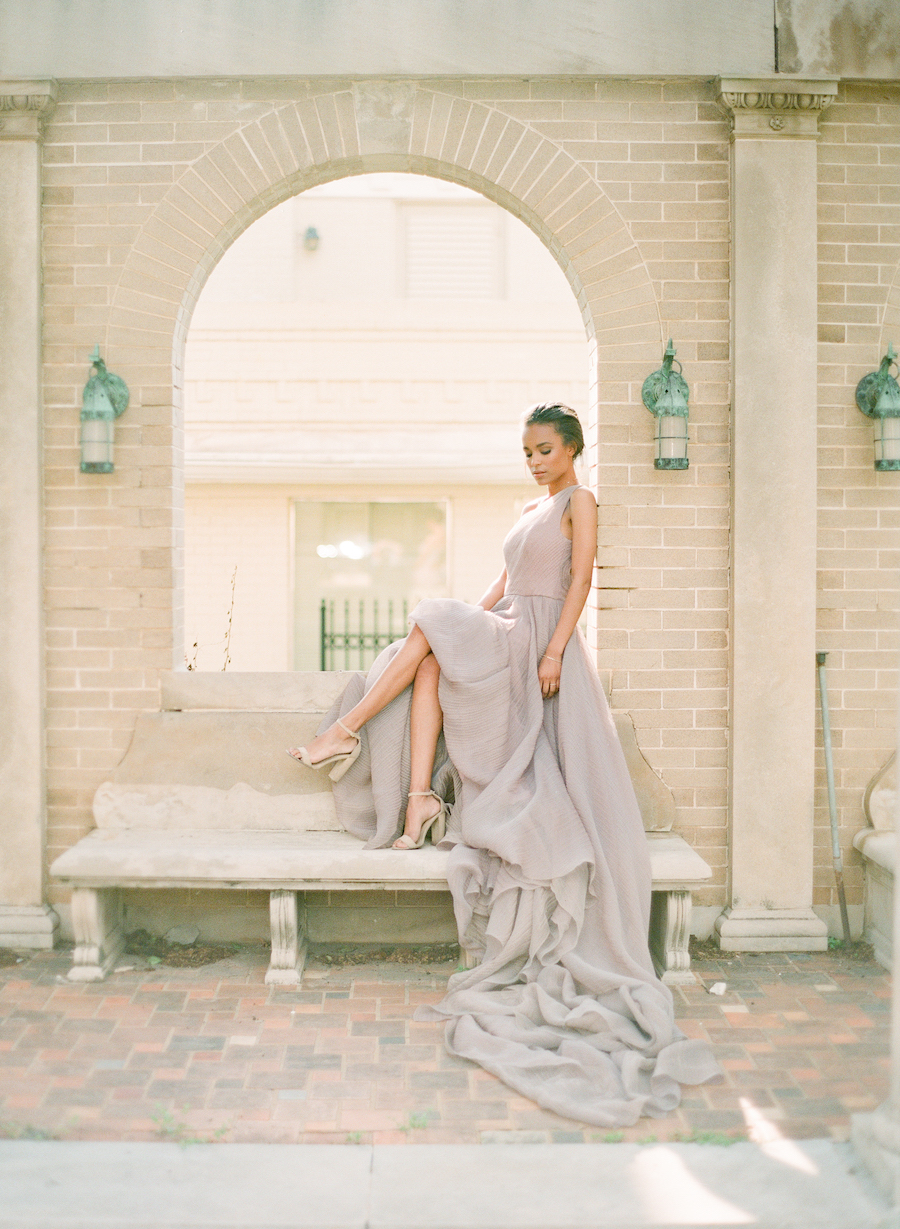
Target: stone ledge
[[284, 691], [200, 808], [301, 859], [268, 860]]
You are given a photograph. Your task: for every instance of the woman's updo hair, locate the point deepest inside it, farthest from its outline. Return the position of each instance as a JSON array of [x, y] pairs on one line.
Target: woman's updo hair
[[563, 420]]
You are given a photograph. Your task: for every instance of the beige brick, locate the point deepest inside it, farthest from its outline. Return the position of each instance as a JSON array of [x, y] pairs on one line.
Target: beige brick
[[532, 159], [537, 110], [346, 118], [489, 139], [458, 116], [564, 206], [329, 126], [597, 245], [437, 125]]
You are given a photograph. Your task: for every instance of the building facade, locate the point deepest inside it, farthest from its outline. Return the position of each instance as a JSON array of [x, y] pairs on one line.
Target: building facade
[[355, 375], [734, 190]]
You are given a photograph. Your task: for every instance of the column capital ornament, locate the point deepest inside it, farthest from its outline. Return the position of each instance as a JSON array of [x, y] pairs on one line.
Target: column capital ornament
[[23, 107], [775, 108]]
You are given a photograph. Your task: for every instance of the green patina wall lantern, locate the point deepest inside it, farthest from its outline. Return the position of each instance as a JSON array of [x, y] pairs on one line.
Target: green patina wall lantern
[[878, 396], [665, 394], [105, 397]]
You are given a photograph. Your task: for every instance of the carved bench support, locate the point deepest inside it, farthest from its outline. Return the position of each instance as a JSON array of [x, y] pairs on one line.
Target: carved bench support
[[288, 939], [97, 923], [670, 932]]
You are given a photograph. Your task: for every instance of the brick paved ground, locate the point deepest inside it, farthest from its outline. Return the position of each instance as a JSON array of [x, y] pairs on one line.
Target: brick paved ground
[[213, 1053]]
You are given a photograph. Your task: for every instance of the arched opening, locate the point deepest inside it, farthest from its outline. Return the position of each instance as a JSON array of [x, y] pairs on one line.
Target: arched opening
[[355, 371]]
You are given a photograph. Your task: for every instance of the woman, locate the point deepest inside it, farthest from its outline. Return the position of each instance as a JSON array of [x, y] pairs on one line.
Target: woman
[[499, 705]]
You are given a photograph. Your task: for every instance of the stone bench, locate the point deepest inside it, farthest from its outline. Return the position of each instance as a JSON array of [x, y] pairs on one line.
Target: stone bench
[[206, 798], [878, 846]]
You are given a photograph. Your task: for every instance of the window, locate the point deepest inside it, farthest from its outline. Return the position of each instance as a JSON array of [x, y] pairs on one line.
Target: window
[[453, 251], [359, 568]]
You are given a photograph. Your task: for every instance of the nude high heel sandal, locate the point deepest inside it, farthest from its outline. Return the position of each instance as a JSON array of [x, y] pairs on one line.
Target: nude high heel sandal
[[437, 822], [341, 761]]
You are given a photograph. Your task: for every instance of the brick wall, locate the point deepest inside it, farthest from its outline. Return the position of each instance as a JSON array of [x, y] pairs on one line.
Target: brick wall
[[147, 183]]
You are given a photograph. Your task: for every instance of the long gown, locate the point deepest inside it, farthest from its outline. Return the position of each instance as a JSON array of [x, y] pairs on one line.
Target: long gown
[[548, 864]]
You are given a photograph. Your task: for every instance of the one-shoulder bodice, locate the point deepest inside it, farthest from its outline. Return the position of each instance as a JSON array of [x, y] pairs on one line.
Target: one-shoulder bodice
[[538, 554]]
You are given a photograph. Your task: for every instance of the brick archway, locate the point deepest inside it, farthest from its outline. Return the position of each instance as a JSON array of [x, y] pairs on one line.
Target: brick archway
[[301, 144], [377, 127]]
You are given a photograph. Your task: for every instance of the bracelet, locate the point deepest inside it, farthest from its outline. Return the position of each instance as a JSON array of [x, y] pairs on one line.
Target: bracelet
[[558, 660]]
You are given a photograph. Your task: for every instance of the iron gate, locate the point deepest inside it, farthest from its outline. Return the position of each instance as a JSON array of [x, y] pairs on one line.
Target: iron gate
[[343, 646]]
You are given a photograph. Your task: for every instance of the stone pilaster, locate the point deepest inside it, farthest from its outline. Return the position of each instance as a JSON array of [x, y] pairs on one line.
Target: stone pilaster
[[25, 921], [773, 615]]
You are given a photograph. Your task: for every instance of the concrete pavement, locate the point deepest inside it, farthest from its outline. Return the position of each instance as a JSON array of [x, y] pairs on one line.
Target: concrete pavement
[[809, 1184]]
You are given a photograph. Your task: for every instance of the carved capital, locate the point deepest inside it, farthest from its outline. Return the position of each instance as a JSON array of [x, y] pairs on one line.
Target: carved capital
[[775, 108], [23, 107]]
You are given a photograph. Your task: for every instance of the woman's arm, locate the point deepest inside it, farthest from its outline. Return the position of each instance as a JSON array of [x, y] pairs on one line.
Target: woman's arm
[[494, 594], [583, 513]]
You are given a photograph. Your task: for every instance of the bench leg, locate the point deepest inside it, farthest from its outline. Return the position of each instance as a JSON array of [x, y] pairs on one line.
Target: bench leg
[[670, 932], [288, 942], [97, 923]]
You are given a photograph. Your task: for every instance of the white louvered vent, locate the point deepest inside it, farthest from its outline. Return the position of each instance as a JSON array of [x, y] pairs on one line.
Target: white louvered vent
[[453, 251]]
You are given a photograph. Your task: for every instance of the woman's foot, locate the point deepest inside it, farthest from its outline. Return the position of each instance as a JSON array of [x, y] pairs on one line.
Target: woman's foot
[[337, 745], [421, 817]]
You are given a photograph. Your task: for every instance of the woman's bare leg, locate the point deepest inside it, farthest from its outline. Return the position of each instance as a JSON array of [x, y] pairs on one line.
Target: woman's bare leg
[[397, 676], [425, 722]]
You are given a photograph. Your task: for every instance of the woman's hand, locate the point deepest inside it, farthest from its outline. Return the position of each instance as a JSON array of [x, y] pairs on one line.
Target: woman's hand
[[549, 671]]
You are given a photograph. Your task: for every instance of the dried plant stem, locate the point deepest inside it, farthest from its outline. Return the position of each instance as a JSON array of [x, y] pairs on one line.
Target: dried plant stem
[[230, 617], [191, 662]]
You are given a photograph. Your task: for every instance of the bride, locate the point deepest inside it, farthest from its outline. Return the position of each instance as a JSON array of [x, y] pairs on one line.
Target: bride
[[498, 707]]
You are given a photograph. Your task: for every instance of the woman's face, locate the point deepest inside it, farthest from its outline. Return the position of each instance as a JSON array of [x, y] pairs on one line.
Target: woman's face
[[546, 456]]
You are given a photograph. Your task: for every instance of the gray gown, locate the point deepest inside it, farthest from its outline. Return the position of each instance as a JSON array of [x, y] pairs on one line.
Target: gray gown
[[548, 862]]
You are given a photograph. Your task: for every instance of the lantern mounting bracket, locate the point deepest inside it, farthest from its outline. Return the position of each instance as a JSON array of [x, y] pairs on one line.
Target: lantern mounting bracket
[[115, 386]]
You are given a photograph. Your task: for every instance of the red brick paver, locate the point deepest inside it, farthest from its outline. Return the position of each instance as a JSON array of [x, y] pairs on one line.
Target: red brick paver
[[213, 1053]]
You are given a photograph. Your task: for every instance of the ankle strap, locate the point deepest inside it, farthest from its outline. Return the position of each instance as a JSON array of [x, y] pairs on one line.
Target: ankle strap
[[352, 733], [422, 793]]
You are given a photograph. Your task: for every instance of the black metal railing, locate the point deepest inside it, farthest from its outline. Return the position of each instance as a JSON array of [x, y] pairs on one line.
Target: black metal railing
[[345, 647]]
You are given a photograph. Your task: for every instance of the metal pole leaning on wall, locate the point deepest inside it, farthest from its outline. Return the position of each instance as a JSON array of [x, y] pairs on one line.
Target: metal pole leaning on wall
[[832, 800]]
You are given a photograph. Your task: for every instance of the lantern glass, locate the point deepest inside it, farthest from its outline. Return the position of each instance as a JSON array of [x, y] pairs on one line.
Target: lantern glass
[[671, 442], [887, 442], [96, 445]]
